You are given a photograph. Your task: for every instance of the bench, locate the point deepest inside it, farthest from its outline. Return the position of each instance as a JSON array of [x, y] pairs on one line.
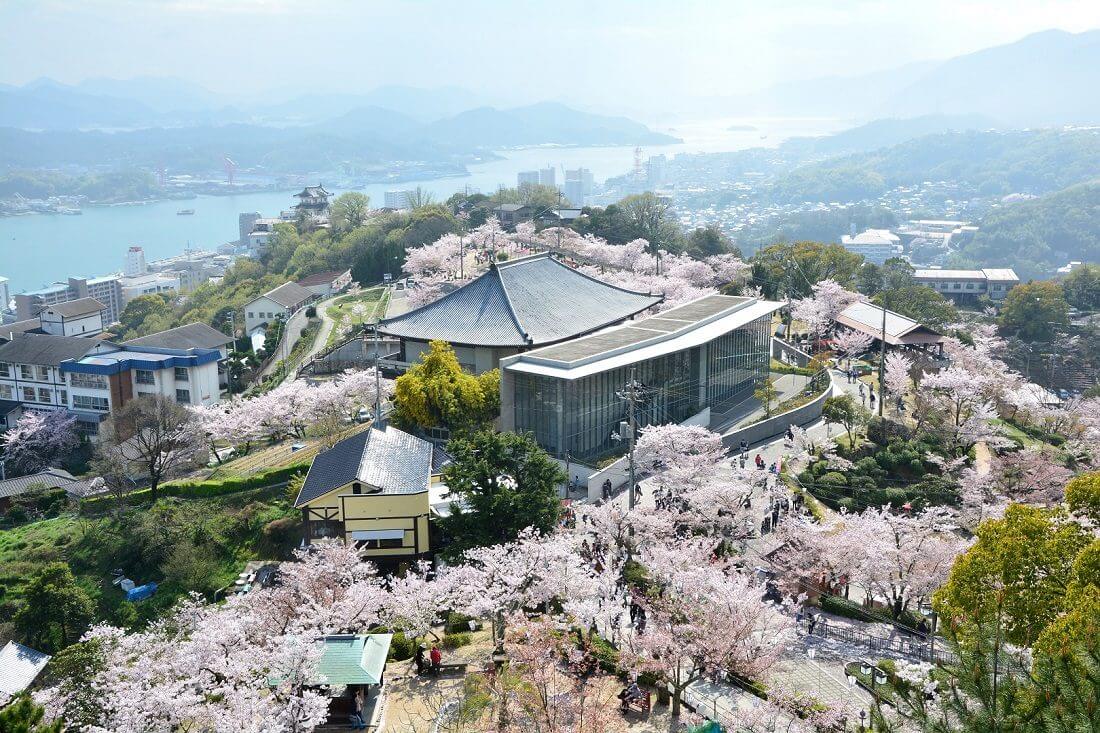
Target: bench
[[638, 704], [456, 668]]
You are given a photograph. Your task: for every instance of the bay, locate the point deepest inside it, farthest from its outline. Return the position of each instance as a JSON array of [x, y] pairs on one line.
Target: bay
[[39, 249]]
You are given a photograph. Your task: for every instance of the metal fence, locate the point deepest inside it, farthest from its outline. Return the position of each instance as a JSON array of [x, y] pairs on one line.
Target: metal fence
[[915, 646]]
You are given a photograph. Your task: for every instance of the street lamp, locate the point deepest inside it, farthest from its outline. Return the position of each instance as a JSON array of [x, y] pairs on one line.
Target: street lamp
[[862, 720]]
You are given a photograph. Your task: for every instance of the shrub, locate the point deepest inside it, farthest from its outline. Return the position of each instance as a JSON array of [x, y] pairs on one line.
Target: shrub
[[457, 623], [1083, 495], [281, 535], [454, 641], [401, 647], [635, 574], [834, 478]]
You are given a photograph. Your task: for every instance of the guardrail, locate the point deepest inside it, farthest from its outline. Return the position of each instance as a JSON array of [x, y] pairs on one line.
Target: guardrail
[[777, 425]]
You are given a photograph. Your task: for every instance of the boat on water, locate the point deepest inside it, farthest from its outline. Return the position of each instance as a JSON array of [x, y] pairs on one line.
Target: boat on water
[[185, 212]]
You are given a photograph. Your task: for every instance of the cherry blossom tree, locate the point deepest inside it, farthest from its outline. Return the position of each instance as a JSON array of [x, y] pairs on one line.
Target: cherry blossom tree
[[679, 455], [708, 619], [37, 439], [897, 373], [847, 342], [820, 309], [897, 557]]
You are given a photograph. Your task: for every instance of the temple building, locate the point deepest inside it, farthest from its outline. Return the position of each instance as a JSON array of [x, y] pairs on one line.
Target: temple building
[[313, 203], [513, 307], [703, 356]]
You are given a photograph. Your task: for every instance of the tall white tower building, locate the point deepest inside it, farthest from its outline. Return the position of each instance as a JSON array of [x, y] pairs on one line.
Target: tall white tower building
[[135, 262]]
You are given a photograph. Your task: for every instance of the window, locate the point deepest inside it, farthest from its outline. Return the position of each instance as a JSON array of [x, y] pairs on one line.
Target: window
[[183, 396], [87, 402], [958, 286], [181, 374], [145, 376], [379, 544], [43, 374], [250, 314], [5, 369], [320, 529], [357, 488], [970, 286], [28, 394], [26, 372], [90, 381], [63, 396], [5, 392], [44, 395]]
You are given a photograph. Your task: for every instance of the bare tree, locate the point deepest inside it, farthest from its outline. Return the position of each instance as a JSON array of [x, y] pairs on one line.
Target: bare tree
[[154, 437]]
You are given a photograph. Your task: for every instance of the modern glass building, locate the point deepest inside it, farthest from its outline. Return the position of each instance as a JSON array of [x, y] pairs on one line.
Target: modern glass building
[[709, 353]]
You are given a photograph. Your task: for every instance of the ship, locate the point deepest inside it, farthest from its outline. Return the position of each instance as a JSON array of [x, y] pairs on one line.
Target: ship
[[185, 212]]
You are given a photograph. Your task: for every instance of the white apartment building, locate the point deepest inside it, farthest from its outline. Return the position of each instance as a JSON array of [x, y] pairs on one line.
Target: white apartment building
[[91, 378], [280, 301], [874, 245], [148, 284], [968, 285], [5, 294], [396, 199]]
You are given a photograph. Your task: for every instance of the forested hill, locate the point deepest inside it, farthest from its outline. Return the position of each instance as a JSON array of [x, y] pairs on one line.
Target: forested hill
[[1041, 234], [990, 163]]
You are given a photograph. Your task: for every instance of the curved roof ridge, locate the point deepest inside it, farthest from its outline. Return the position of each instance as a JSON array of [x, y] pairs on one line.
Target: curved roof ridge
[[512, 310], [558, 262]]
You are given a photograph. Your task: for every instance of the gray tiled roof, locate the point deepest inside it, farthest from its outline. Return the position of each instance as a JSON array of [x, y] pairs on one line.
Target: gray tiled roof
[[289, 295], [78, 307], [52, 478], [190, 336], [530, 301], [32, 348], [383, 458], [9, 406]]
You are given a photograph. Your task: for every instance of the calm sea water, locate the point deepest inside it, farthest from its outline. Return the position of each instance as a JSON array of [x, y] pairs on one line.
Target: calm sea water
[[39, 249]]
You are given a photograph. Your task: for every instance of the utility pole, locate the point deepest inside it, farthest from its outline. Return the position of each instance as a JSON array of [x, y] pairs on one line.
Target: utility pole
[[882, 359], [377, 380], [631, 392]]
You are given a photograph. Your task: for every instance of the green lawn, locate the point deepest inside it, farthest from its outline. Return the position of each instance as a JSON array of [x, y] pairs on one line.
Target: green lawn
[[373, 306]]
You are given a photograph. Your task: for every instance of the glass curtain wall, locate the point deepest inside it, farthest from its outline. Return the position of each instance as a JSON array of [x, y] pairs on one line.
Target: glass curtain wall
[[579, 416]]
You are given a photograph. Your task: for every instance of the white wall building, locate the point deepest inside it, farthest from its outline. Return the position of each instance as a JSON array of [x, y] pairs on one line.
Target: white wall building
[[91, 378], [968, 285], [874, 245], [135, 262], [280, 301], [83, 317], [396, 199]]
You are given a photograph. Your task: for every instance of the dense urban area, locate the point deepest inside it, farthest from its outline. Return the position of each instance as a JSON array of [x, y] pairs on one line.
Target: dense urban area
[[801, 436]]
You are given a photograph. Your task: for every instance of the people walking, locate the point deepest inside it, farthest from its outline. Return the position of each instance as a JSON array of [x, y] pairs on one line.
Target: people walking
[[437, 659]]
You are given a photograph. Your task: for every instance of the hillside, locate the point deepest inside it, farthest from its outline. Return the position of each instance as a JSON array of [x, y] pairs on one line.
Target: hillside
[[1037, 236], [990, 163]]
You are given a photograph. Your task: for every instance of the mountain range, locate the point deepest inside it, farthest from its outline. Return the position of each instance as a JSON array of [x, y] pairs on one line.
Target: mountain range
[[1046, 78]]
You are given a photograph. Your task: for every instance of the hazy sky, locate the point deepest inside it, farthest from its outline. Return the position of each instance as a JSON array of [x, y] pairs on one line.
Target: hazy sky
[[589, 51]]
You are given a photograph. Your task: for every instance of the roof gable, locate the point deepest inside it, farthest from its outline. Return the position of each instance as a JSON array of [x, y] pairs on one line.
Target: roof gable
[[288, 295], [189, 336], [44, 349]]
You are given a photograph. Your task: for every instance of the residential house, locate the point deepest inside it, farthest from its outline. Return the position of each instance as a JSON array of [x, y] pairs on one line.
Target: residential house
[[190, 336], [281, 301], [50, 478], [374, 490], [512, 214], [327, 284]]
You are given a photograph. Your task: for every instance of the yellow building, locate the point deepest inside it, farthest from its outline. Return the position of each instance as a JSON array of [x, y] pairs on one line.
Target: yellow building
[[374, 489]]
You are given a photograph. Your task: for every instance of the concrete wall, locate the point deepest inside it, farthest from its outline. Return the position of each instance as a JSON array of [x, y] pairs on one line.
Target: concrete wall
[[785, 352], [777, 425]]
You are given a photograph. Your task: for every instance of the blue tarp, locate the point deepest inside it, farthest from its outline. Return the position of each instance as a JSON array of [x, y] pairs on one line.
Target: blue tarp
[[141, 592]]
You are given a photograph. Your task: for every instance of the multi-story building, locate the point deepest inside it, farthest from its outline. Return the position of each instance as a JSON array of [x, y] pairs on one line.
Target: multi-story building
[[91, 378], [135, 262], [281, 301], [106, 290], [966, 286], [548, 177], [375, 490], [5, 295], [527, 178], [148, 284], [693, 361], [397, 199], [578, 185], [874, 245]]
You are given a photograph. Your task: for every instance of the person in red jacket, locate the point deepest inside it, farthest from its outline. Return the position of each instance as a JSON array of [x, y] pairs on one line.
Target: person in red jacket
[[437, 658]]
